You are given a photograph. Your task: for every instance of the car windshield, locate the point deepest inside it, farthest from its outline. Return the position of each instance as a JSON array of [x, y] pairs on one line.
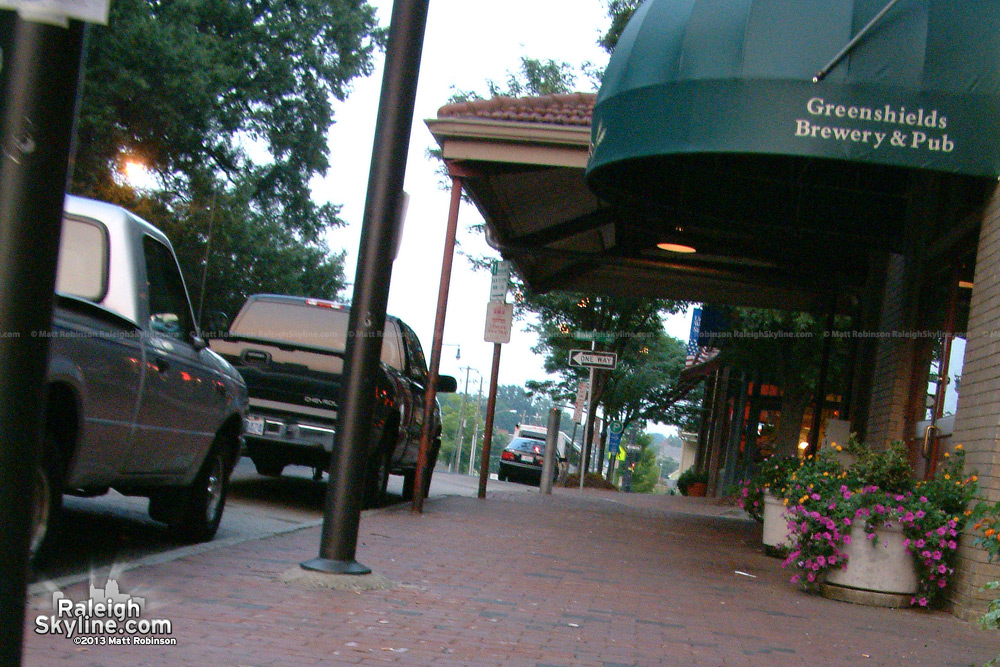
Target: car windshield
[[526, 445]]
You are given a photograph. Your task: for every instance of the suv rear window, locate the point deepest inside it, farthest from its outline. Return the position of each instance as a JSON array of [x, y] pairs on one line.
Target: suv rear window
[[300, 323]]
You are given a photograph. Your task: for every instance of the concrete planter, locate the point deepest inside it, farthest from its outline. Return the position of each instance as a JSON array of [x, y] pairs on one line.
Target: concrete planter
[[879, 572], [775, 540]]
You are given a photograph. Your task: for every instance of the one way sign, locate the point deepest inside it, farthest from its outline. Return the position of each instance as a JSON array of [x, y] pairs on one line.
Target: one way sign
[[588, 359]]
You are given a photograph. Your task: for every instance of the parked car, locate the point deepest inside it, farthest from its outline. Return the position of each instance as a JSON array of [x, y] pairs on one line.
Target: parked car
[[290, 350], [522, 460], [136, 402]]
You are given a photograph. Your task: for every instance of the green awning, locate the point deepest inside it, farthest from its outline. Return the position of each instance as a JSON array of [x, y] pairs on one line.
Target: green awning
[[920, 90]]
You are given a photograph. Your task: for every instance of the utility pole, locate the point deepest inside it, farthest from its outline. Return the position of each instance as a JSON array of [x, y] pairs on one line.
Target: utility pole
[[475, 431], [457, 456]]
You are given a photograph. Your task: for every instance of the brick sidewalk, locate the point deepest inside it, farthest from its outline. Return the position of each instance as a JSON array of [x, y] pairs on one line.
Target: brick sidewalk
[[598, 579]]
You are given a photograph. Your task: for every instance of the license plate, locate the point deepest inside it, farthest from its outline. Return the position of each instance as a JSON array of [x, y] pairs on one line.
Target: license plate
[[527, 459], [254, 425]]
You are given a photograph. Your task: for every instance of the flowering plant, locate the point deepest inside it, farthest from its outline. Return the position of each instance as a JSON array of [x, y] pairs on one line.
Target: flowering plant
[[772, 475], [825, 502], [987, 527]]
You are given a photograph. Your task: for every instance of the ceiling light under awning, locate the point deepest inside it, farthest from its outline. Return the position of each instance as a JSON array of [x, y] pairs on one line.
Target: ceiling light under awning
[[680, 248]]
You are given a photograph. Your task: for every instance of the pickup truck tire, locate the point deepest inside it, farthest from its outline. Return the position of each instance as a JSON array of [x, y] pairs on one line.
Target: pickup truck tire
[[46, 503], [193, 513]]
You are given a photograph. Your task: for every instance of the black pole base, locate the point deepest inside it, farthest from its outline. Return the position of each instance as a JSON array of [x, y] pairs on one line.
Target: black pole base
[[335, 566]]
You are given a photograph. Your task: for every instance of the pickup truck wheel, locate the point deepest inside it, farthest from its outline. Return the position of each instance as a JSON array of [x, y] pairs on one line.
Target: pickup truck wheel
[[46, 500], [204, 500]]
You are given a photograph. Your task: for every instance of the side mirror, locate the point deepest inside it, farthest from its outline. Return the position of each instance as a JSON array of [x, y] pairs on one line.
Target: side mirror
[[447, 384], [214, 324]]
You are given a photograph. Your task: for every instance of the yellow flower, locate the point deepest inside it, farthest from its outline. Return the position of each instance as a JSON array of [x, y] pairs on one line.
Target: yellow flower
[[947, 476], [974, 478], [839, 448], [946, 454], [959, 448], [784, 501]]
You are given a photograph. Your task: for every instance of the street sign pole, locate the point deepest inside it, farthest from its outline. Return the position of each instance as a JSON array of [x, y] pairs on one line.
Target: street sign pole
[[588, 435]]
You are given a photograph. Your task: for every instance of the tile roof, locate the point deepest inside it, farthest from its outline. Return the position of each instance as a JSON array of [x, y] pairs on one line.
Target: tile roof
[[563, 109]]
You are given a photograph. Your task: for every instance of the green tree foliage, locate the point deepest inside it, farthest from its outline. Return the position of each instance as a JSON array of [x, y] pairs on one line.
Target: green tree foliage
[[619, 11], [533, 77], [249, 253], [228, 104], [649, 362], [645, 388]]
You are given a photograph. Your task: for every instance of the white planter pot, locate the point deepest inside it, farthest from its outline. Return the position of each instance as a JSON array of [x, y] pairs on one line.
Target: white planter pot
[[879, 572], [775, 523]]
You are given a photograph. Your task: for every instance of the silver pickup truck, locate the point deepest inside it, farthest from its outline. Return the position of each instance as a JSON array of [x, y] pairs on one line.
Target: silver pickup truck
[[135, 399]]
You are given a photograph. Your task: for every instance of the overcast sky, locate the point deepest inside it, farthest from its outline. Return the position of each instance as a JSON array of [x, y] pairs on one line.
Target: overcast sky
[[467, 42]]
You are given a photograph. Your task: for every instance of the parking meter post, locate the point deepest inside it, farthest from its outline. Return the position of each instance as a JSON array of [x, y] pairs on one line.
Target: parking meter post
[[379, 230], [39, 80], [491, 407], [551, 437]]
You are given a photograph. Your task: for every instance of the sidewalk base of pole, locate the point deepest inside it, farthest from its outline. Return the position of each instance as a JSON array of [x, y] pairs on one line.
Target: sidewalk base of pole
[[335, 566]]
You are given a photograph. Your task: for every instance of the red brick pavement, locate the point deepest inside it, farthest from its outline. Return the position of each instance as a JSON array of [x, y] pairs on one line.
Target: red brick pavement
[[595, 579]]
